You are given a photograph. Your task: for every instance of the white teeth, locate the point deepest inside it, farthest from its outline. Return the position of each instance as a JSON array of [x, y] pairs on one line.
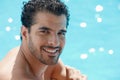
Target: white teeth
[[50, 51]]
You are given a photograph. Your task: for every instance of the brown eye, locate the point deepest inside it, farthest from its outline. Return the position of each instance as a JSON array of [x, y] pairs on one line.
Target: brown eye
[[44, 31], [62, 33]]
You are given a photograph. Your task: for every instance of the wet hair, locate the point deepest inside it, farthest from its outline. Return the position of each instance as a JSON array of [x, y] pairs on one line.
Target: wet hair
[[30, 8]]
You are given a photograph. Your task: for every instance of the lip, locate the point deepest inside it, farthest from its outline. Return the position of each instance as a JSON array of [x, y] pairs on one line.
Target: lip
[[51, 52]]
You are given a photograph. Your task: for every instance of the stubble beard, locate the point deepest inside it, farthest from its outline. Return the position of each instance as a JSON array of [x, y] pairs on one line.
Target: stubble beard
[[39, 56]]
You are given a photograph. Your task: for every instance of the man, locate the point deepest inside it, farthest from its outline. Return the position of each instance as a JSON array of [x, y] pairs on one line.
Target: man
[[44, 25]]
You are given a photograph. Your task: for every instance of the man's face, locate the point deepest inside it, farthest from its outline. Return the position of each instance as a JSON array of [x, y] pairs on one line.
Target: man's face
[[47, 37]]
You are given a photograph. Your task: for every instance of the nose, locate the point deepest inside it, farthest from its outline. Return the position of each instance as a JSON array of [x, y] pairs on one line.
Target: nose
[[54, 40]]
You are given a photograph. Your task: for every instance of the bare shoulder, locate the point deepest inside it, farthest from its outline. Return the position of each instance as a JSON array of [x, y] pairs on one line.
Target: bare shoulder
[[10, 57], [12, 53], [7, 63]]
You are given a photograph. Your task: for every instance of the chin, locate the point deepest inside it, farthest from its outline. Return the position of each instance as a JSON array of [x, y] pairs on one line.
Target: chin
[[49, 62], [52, 63]]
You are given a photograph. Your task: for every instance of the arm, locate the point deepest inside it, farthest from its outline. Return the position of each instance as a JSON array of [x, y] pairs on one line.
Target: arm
[[62, 72], [56, 72], [74, 74]]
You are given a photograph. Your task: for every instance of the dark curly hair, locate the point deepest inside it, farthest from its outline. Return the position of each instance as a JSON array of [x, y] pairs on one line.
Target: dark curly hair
[[31, 7]]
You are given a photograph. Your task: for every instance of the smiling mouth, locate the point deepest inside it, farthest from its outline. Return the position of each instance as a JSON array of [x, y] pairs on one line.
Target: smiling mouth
[[51, 52]]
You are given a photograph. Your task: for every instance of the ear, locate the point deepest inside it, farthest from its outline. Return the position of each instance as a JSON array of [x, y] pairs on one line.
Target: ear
[[24, 32]]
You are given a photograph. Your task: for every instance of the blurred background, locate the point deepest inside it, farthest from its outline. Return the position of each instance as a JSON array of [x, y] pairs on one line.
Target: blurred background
[[92, 41]]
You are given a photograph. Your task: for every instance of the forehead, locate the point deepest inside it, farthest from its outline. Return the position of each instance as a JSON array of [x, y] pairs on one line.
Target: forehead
[[50, 20]]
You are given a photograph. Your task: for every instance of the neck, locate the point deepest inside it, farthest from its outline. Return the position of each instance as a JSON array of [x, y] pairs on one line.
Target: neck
[[34, 65]]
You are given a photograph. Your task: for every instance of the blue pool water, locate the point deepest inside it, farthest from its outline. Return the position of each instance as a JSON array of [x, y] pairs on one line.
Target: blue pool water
[[93, 38]]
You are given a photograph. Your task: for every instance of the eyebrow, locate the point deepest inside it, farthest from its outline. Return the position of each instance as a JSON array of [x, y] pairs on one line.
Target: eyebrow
[[46, 28], [63, 31]]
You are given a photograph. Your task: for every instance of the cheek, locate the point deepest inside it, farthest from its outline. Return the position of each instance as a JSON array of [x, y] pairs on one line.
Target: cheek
[[36, 41], [38, 38], [62, 40], [40, 41]]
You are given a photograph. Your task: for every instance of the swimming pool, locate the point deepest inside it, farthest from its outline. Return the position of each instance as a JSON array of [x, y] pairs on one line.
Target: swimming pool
[[92, 41]]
